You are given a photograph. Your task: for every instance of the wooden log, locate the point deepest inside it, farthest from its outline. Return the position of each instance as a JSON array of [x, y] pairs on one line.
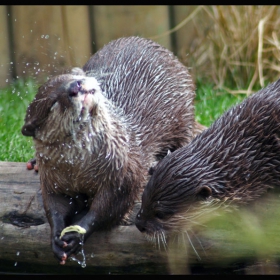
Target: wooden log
[[25, 236], [21, 205]]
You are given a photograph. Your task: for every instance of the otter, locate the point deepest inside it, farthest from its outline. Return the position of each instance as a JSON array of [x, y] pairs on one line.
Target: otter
[[233, 162], [98, 130]]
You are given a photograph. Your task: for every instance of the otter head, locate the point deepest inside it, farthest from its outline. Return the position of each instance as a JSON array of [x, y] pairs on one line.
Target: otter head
[[61, 105], [170, 200]]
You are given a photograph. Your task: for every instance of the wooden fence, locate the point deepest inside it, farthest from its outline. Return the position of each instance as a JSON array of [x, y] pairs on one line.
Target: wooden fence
[[38, 41]]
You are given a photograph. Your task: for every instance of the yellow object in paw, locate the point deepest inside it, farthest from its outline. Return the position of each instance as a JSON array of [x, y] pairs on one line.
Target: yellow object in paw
[[73, 228]]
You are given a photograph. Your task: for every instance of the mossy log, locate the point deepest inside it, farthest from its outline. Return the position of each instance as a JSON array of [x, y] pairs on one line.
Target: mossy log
[[25, 238]]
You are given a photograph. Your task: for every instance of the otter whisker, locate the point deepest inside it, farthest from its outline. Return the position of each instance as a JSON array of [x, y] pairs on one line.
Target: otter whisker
[[184, 219], [193, 246], [200, 243], [163, 239], [183, 238], [158, 241]]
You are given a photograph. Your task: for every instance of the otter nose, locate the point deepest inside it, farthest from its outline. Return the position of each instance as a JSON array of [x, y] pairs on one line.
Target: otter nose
[[140, 224], [75, 87], [140, 227]]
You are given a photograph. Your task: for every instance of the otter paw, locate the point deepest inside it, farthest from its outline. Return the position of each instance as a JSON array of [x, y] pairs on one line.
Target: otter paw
[[73, 241], [58, 250]]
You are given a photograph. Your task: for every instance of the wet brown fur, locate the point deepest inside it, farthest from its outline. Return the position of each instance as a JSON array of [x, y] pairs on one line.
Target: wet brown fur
[[234, 161], [98, 161]]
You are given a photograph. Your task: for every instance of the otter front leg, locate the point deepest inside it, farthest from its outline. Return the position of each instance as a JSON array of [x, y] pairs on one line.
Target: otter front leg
[[106, 210], [60, 210]]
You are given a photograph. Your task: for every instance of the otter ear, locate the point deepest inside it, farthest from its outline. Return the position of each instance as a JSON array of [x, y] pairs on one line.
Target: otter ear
[[204, 192], [152, 168], [77, 71]]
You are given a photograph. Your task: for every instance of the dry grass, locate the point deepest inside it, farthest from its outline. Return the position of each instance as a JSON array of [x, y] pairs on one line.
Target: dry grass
[[237, 46]]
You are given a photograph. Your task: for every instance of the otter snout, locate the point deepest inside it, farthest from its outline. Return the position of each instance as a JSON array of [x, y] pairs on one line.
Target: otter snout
[[80, 86], [75, 87], [140, 224]]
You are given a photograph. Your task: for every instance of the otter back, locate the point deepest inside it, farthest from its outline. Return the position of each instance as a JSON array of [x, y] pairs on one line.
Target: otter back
[[153, 88]]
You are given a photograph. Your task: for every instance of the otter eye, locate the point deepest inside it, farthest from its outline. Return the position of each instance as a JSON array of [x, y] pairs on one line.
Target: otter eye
[[164, 214], [160, 215]]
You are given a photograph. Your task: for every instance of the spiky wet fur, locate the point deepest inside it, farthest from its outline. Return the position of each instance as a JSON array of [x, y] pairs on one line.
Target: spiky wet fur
[[233, 162], [142, 108]]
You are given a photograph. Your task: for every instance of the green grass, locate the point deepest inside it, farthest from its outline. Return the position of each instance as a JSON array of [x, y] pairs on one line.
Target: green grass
[[210, 103], [14, 99]]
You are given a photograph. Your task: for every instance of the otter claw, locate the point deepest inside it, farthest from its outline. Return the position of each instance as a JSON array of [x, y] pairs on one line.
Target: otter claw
[[63, 259]]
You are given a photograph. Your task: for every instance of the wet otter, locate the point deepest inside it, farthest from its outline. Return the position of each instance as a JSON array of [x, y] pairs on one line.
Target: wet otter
[[97, 130], [233, 162]]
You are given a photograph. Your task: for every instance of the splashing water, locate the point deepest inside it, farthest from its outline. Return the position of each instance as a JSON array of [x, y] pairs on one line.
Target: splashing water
[[82, 263]]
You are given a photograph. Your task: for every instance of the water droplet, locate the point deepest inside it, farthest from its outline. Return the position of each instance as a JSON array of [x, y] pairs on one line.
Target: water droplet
[[18, 253], [47, 36], [15, 264], [42, 36]]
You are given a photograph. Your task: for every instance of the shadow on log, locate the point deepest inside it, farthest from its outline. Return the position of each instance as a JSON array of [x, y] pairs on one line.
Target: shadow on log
[[25, 239]]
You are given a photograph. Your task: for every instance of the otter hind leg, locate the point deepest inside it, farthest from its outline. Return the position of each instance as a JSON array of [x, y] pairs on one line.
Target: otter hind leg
[[31, 164]]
